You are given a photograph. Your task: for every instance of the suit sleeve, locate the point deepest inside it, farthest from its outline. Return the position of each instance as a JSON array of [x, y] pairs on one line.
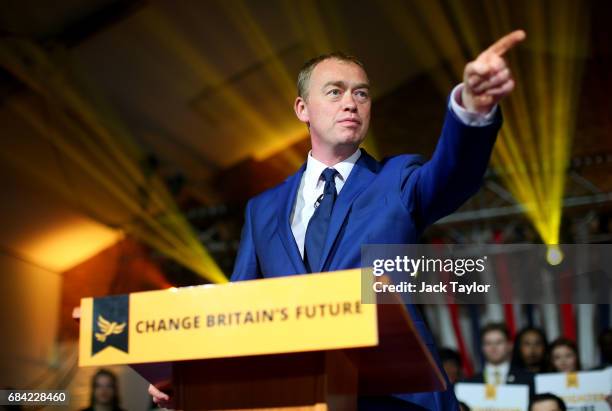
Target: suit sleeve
[[246, 266], [453, 174]]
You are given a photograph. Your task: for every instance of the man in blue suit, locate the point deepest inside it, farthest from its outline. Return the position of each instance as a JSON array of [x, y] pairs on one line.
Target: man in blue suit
[[342, 198]]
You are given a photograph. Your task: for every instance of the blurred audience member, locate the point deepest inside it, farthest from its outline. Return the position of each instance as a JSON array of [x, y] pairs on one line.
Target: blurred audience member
[[563, 355], [530, 350], [451, 361], [104, 392], [546, 402], [497, 349], [605, 348], [463, 406]]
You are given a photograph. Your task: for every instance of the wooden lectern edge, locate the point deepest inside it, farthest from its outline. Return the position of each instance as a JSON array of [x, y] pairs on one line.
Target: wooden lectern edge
[[247, 355], [420, 341]]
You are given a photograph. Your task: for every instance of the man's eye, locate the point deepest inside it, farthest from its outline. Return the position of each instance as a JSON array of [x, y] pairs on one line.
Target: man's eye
[[362, 94], [334, 92]]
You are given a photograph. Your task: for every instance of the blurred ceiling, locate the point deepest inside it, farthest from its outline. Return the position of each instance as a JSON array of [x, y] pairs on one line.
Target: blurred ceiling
[[206, 89]]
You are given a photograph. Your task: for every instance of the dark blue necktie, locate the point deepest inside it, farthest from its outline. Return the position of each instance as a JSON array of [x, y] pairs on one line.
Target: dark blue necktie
[[316, 233]]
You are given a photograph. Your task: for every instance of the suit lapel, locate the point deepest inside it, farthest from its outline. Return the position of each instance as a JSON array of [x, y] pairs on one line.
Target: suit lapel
[[360, 177], [286, 199]]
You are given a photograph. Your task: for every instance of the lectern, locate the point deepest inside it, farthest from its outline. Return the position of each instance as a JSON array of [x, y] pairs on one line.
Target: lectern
[[305, 342]]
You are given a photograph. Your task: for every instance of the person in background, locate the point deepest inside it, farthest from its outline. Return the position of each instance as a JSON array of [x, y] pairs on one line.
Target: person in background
[[451, 362], [463, 406], [497, 350], [547, 402], [605, 348], [563, 355], [104, 392], [530, 350]]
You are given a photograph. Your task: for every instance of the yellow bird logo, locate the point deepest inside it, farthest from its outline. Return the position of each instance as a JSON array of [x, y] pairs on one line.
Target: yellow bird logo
[[108, 328]]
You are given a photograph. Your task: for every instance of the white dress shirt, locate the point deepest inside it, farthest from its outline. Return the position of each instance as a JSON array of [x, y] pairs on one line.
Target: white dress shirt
[[496, 374], [311, 188], [312, 185]]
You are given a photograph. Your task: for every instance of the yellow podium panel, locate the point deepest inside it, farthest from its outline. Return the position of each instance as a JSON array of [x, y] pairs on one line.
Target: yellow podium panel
[[280, 315]]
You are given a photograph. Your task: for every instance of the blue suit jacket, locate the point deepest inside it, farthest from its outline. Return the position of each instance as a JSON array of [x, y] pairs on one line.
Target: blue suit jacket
[[388, 202]]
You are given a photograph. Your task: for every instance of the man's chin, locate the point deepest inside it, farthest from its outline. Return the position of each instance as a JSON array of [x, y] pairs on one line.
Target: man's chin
[[351, 139]]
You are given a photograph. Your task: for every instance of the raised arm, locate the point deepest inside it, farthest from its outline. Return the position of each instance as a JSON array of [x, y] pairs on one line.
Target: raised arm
[[455, 171]]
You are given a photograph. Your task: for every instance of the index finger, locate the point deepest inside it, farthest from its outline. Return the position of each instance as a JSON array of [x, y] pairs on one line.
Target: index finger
[[507, 42]]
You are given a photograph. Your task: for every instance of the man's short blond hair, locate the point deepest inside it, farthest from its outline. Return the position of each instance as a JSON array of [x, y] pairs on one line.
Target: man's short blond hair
[[303, 80]]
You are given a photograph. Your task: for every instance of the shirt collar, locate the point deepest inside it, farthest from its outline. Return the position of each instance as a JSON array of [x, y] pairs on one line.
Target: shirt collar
[[314, 168], [502, 368]]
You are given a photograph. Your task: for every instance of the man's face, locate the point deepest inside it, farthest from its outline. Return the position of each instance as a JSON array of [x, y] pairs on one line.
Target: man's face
[[532, 348], [545, 405], [496, 347], [337, 107]]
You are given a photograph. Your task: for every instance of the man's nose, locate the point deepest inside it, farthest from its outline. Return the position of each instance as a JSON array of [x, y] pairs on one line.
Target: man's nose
[[348, 103]]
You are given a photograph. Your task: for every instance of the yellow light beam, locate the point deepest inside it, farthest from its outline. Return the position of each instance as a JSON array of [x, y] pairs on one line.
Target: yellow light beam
[[85, 136], [532, 152]]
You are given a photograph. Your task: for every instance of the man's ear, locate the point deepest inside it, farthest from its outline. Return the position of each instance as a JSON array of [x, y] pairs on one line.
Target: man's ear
[[301, 110]]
